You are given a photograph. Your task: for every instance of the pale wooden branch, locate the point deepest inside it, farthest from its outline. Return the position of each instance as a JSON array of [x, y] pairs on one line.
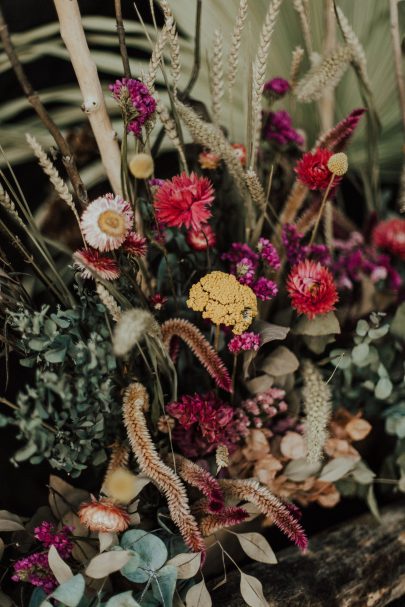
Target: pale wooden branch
[[73, 36]]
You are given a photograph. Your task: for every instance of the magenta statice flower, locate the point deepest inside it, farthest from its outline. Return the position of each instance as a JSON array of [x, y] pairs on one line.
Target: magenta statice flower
[[278, 128], [276, 88], [245, 271], [204, 421], [49, 536], [264, 288], [268, 253], [244, 342], [297, 251], [34, 569], [136, 103]]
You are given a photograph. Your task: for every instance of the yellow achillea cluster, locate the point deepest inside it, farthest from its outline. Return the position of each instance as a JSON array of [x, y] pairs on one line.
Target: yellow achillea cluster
[[222, 299]]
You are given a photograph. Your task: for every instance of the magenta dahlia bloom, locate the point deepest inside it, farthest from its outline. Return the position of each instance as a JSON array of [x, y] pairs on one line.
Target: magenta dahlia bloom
[[136, 103], [184, 201], [244, 342], [204, 421]]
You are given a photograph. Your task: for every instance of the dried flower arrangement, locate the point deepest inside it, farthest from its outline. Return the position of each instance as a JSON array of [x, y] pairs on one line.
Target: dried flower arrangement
[[152, 360]]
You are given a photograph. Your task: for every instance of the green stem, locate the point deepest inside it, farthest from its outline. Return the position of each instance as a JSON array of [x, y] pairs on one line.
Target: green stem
[[318, 219]]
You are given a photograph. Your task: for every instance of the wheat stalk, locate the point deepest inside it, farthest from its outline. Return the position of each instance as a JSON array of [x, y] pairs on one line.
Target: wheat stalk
[[233, 57], [108, 300], [358, 54], [259, 73], [171, 131], [216, 74], [324, 76], [296, 60], [9, 205], [172, 34], [155, 59], [54, 177], [301, 6]]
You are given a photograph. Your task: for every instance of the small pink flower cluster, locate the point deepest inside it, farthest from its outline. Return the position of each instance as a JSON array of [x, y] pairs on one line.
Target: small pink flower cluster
[[244, 342], [34, 569], [263, 407], [245, 265]]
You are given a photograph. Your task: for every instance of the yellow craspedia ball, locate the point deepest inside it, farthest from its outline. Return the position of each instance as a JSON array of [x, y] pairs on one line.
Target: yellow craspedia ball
[[338, 164], [141, 166], [120, 485]]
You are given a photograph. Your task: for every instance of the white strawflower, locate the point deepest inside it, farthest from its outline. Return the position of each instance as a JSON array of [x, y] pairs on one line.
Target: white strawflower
[[318, 408], [106, 222], [131, 328]]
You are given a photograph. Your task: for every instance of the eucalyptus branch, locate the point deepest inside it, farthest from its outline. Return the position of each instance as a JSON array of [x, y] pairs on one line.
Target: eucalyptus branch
[[34, 99], [121, 38]]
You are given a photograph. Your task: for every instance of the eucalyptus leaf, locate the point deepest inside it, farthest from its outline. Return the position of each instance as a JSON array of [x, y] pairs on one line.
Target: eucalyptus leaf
[[251, 590], [164, 584], [149, 548], [187, 564], [71, 592], [198, 596], [383, 388], [300, 469], [323, 324], [257, 547], [336, 469], [124, 599]]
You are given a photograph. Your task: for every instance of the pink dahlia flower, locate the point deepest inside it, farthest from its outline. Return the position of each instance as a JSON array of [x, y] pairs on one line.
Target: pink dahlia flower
[[106, 222], [93, 265], [184, 201], [312, 289], [390, 235]]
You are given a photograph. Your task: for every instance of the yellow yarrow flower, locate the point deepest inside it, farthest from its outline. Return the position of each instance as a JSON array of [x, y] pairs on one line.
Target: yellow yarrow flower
[[222, 299]]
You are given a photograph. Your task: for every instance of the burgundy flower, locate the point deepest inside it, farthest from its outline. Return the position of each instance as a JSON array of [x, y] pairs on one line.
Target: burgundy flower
[[312, 170]]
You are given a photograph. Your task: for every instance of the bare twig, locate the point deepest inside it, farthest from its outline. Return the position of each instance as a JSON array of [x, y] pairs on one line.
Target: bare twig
[[38, 106], [121, 38]]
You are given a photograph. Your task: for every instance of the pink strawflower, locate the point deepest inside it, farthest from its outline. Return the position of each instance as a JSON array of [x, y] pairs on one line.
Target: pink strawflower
[[312, 169], [204, 422], [184, 201], [390, 235], [268, 253], [106, 222], [136, 103], [94, 265], [243, 342], [264, 288], [135, 245], [202, 239], [103, 516], [312, 289]]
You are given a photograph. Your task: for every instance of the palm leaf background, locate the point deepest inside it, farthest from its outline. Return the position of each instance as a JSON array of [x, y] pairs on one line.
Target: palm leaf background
[[369, 19]]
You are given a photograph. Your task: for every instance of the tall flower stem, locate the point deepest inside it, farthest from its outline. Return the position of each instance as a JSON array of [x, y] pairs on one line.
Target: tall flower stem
[[216, 338], [322, 207], [121, 38]]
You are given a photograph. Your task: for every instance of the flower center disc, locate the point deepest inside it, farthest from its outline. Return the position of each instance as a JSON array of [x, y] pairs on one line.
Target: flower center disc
[[112, 223]]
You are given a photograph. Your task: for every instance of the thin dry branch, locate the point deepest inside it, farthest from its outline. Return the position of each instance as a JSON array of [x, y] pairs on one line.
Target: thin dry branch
[[121, 38], [34, 99]]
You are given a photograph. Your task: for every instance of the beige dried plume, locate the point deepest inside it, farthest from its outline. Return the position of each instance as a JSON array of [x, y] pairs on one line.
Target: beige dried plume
[[302, 8], [136, 401], [317, 399], [155, 59], [296, 60], [131, 328], [233, 57], [324, 76], [256, 189], [216, 76]]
